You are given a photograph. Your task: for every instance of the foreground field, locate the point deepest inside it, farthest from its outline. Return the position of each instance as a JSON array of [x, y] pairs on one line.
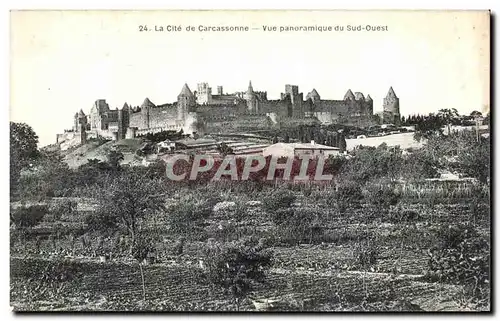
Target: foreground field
[[177, 286], [323, 274]]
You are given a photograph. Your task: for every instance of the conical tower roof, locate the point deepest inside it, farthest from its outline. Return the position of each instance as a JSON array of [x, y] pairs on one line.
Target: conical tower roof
[[186, 92], [391, 93], [368, 98], [313, 95], [126, 106], [250, 87], [81, 113], [147, 103], [349, 95], [359, 96]]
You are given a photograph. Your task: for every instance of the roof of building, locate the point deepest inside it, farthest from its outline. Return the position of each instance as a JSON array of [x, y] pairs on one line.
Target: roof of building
[[368, 98], [147, 103], [313, 95], [303, 146], [313, 146], [359, 96], [196, 142], [349, 95], [289, 149], [81, 113], [391, 93], [185, 92]]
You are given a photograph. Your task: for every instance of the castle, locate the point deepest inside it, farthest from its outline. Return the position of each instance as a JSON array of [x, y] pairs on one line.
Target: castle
[[203, 111]]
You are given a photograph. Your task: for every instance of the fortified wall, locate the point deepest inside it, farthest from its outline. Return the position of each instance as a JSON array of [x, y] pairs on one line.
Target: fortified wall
[[201, 111]]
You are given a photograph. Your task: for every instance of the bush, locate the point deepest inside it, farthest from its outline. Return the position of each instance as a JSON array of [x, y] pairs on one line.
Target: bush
[[419, 165], [64, 207], [236, 267], [381, 196], [299, 225], [278, 199], [346, 195], [367, 254], [49, 177], [402, 215], [282, 215], [186, 212], [28, 216], [372, 163], [100, 222]]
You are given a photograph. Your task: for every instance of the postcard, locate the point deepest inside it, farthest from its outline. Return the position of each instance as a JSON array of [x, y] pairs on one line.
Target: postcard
[[250, 161]]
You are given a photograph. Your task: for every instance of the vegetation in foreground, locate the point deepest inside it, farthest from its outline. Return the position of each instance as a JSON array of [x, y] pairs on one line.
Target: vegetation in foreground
[[380, 237]]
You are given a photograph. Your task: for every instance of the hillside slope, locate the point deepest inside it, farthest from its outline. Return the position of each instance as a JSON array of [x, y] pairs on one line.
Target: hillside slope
[[92, 150]]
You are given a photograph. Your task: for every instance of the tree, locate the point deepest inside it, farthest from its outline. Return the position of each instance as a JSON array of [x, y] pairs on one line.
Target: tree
[[130, 197], [141, 249], [474, 159], [373, 162], [47, 176], [428, 126], [486, 121], [476, 113], [23, 150], [447, 115]]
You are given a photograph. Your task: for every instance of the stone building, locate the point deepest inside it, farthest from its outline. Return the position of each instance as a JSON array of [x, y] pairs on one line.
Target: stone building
[[202, 111]]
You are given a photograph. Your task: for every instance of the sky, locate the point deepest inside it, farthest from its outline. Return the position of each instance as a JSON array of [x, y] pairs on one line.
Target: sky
[[62, 61]]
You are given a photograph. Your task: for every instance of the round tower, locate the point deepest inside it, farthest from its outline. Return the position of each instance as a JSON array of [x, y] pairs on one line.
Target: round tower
[[82, 120], [76, 127], [250, 98], [145, 111], [391, 108], [186, 103]]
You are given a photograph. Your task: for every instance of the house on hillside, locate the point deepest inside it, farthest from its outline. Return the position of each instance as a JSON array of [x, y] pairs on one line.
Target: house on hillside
[[297, 149]]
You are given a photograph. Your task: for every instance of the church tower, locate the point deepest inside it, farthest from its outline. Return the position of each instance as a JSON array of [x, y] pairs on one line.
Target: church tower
[[391, 112]]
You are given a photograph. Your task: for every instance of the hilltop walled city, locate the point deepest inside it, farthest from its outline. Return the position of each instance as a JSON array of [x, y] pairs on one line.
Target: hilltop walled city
[[202, 112]]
